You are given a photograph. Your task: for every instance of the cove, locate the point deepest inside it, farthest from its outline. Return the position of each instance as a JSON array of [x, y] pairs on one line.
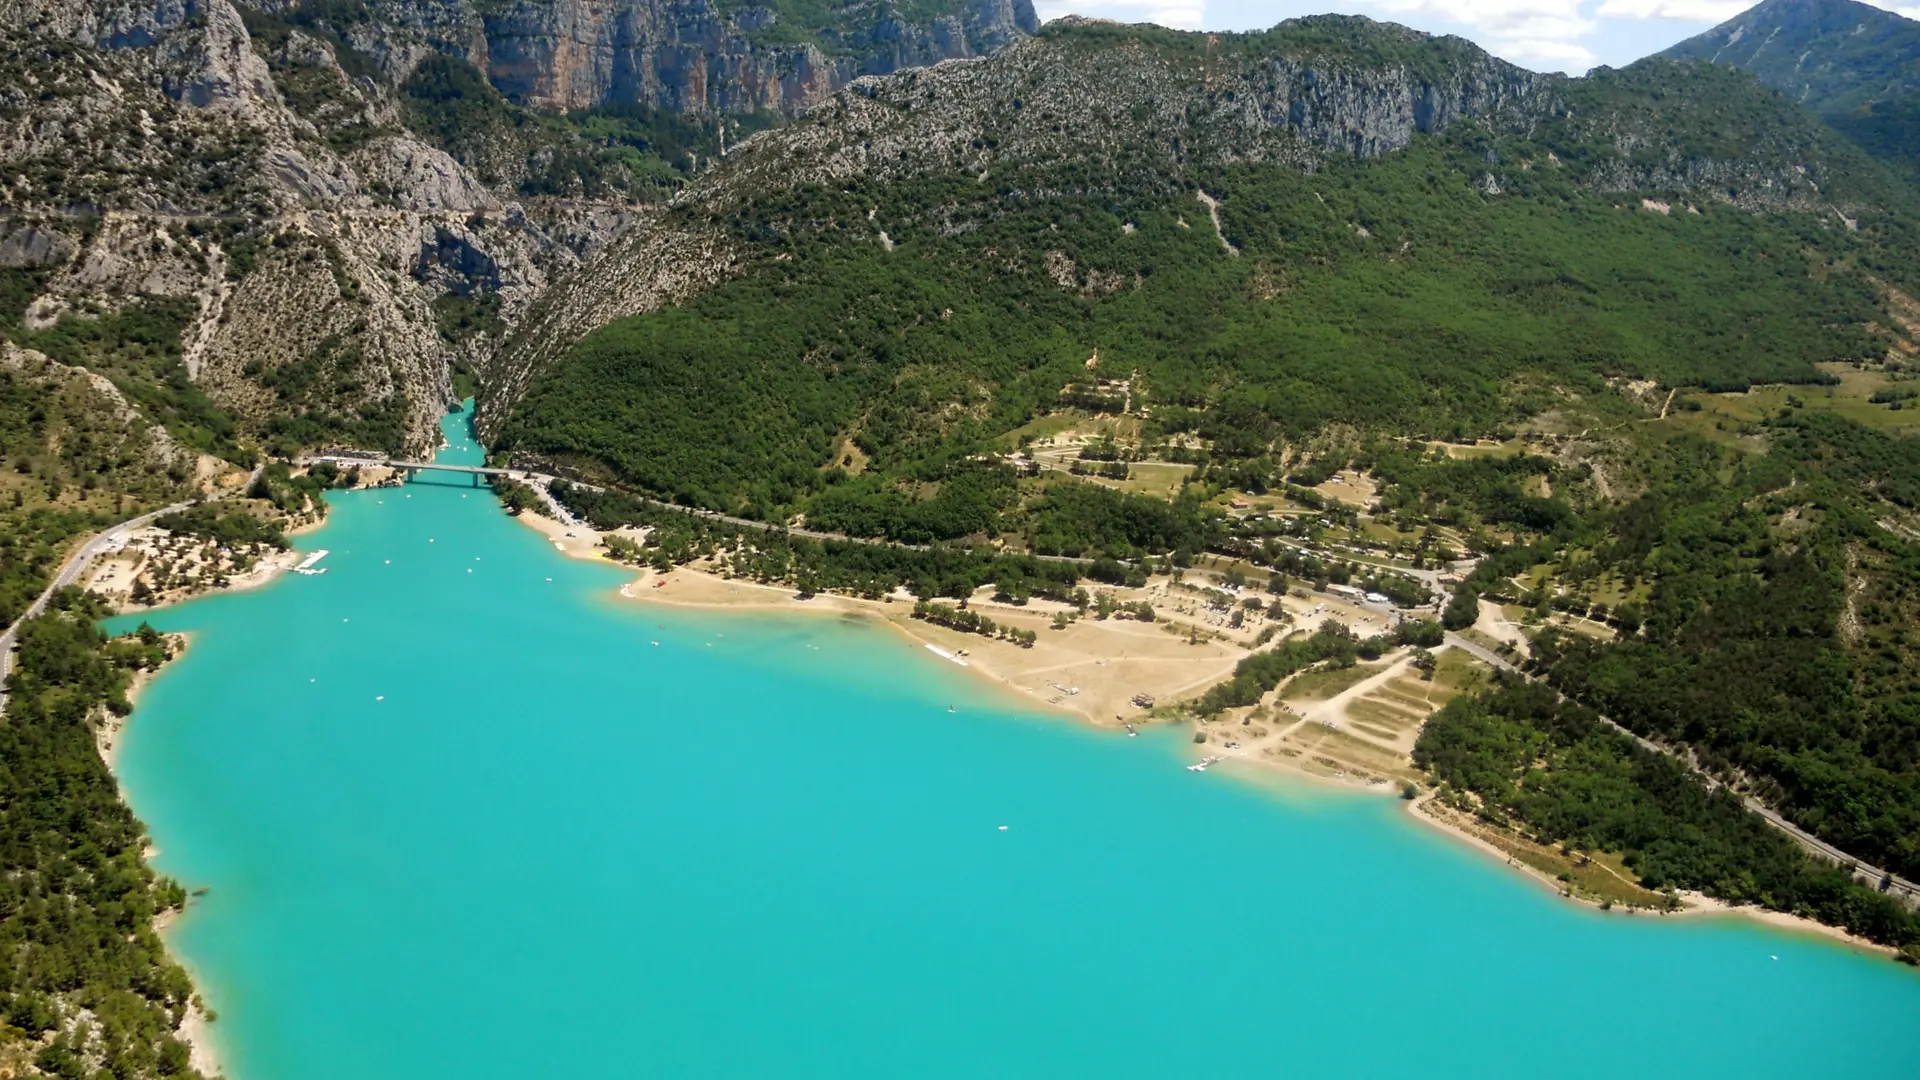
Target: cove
[[460, 817]]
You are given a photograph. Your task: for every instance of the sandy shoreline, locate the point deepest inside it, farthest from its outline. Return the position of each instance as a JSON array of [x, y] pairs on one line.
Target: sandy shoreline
[[195, 1027], [1106, 685], [1108, 661], [1697, 905]]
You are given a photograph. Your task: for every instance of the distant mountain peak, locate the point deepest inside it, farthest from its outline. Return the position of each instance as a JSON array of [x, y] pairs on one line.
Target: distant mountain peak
[[1856, 65]]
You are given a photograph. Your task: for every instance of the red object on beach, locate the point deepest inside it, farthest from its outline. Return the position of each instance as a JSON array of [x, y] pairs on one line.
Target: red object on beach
[[659, 583]]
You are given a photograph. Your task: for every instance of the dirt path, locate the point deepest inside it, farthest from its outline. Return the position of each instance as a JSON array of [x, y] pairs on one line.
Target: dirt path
[[1333, 711], [1213, 211]]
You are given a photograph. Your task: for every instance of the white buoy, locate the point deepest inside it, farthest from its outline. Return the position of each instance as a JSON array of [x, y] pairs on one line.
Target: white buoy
[[1003, 828], [380, 697]]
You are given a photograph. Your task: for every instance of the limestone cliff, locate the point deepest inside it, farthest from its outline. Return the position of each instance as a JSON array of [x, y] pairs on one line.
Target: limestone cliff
[[158, 151], [702, 57], [287, 168]]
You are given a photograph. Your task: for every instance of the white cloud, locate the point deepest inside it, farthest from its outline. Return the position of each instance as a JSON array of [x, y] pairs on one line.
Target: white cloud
[[1512, 19], [1711, 11], [1547, 55], [1543, 34], [1174, 14], [1708, 11]]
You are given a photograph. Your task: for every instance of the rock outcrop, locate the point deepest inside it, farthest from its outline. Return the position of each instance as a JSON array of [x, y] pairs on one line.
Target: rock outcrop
[[693, 59]]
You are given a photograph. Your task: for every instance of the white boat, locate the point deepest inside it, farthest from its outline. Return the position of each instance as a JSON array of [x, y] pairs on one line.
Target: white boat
[[1203, 763]]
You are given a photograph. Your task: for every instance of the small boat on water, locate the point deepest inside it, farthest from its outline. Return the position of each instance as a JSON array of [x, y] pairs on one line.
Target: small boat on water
[[1203, 763], [1131, 731]]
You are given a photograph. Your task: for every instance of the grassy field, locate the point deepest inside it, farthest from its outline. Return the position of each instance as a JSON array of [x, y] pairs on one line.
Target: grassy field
[[1319, 684], [1720, 415]]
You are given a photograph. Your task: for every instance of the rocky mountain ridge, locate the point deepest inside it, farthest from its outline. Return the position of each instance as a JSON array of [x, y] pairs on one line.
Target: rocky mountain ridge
[[284, 167], [333, 188], [1855, 65], [702, 57], [1094, 107], [150, 154]]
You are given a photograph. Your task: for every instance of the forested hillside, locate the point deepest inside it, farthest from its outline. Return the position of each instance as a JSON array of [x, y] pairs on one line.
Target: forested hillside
[[1856, 65], [86, 989], [919, 312]]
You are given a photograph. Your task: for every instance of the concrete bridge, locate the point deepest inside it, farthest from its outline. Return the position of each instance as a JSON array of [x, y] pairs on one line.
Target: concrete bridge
[[476, 471], [540, 480]]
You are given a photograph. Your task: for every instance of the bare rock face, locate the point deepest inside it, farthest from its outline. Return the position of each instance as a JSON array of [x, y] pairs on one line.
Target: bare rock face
[[420, 176], [216, 66], [1124, 105], [156, 158], [691, 59], [274, 181], [659, 260], [32, 245]]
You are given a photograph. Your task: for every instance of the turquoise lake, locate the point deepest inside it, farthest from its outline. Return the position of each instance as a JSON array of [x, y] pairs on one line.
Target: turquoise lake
[[460, 817]]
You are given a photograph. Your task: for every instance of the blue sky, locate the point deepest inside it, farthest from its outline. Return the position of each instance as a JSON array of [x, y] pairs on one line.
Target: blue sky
[[1546, 35]]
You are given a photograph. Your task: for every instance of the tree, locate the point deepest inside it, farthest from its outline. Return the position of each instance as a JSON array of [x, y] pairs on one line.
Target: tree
[[1424, 663], [518, 498], [1627, 617], [1462, 611]]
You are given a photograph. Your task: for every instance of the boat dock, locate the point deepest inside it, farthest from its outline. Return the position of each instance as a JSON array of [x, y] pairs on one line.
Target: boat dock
[[307, 564]]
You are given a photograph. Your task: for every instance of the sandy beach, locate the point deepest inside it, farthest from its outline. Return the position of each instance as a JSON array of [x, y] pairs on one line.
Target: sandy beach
[[1694, 905], [194, 1029], [1092, 669], [1358, 737]]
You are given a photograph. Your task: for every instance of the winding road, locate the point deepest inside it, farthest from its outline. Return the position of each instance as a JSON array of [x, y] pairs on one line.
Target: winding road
[[1896, 886], [80, 558], [542, 480]]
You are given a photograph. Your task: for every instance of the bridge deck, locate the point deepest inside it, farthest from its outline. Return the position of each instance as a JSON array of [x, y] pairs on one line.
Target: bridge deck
[[389, 463]]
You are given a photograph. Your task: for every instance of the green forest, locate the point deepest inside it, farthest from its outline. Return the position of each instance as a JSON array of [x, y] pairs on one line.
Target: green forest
[[77, 902], [1390, 295], [1519, 756]]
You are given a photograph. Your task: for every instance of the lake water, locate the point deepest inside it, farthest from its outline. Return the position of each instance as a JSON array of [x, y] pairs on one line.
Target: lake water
[[461, 817]]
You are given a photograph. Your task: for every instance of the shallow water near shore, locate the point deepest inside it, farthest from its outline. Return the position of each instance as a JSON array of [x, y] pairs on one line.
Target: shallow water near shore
[[461, 817]]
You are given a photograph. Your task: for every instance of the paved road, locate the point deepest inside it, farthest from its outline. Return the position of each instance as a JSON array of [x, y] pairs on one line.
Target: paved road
[[1898, 886], [542, 480], [77, 563]]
